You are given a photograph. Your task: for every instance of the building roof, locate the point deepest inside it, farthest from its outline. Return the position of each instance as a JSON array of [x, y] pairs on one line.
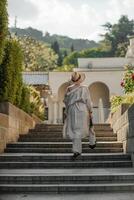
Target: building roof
[[103, 63], [35, 78]]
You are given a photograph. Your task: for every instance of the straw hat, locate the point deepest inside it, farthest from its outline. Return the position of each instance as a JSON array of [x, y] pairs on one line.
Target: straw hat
[[77, 77]]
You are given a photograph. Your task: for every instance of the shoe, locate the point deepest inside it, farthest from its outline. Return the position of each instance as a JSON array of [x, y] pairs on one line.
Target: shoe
[[76, 154], [92, 146]]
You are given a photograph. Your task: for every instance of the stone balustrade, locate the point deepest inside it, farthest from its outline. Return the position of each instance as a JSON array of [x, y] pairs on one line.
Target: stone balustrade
[[14, 122], [123, 124]]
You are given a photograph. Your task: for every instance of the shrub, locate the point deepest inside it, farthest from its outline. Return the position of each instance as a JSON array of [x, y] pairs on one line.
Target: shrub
[[128, 80]]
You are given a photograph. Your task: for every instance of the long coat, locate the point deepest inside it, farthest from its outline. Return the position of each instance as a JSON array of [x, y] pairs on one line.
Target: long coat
[[78, 106]]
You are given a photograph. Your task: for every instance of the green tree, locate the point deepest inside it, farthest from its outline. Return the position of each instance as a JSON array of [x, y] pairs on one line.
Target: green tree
[[3, 26], [65, 68], [117, 34], [11, 73], [37, 55], [72, 48], [55, 47], [71, 59]]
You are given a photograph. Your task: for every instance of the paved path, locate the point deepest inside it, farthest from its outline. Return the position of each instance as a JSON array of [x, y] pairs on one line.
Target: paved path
[[106, 196]]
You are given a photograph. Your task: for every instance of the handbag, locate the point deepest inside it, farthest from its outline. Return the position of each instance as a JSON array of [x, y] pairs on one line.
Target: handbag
[[92, 137]]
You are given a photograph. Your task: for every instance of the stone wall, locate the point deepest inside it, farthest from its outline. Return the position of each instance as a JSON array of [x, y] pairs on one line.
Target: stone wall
[[123, 124], [13, 122]]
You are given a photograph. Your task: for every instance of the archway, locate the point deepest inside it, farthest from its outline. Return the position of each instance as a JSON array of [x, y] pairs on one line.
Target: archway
[[61, 106], [99, 93]]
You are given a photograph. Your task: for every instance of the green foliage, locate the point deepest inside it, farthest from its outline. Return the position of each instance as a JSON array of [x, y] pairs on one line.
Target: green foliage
[[71, 59], [128, 86], [72, 48], [31, 101], [128, 80], [63, 41], [122, 49], [128, 98], [3, 26], [117, 35], [65, 68], [56, 48], [25, 100], [11, 73], [12, 88], [37, 56], [37, 107], [116, 101]]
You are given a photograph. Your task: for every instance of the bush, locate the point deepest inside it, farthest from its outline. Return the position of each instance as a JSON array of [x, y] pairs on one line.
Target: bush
[[116, 101], [128, 80]]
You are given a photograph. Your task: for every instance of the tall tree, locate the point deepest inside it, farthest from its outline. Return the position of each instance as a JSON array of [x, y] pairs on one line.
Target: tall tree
[[3, 26], [55, 47], [11, 73], [72, 48], [117, 34]]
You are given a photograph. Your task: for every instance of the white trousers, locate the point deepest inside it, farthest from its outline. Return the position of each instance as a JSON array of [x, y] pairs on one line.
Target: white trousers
[[77, 143]]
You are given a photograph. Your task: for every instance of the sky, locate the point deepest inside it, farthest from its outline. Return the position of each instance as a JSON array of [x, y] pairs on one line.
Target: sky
[[73, 18]]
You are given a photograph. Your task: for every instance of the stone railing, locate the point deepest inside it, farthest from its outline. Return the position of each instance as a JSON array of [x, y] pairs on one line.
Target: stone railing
[[122, 123], [14, 122]]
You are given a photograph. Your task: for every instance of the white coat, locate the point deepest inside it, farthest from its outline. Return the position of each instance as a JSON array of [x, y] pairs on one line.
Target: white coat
[[78, 105]]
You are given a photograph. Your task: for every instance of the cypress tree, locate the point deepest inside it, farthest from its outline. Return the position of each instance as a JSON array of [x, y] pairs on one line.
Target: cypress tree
[[55, 47], [3, 26], [11, 73]]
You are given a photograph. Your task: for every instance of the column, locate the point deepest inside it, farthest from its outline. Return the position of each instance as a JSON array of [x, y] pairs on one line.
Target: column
[[55, 112]]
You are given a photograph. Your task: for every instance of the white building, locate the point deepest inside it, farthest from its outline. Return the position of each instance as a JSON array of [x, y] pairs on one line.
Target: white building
[[103, 77]]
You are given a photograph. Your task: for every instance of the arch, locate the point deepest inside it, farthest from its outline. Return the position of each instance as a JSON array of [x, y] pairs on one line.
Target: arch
[[99, 90], [61, 106], [62, 90]]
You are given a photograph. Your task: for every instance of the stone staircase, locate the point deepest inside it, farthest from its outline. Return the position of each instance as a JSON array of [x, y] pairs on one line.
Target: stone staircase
[[41, 161]]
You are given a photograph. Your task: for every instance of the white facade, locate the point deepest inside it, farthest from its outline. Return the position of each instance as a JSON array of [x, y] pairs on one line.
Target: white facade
[[101, 84], [103, 78]]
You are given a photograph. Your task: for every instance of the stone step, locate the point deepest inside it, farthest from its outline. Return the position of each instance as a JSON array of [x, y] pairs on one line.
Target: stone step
[[66, 165], [61, 145], [62, 157], [43, 129], [60, 127], [55, 134], [62, 150], [60, 135], [39, 139], [67, 188], [65, 179]]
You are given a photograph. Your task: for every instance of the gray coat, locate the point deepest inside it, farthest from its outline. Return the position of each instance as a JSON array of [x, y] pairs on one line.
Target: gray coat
[[78, 106]]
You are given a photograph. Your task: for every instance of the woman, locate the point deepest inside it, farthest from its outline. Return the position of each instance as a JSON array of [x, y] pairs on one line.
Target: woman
[[78, 112]]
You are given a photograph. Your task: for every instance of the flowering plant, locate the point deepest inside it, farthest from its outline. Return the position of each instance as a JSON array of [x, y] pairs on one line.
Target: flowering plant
[[127, 82]]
